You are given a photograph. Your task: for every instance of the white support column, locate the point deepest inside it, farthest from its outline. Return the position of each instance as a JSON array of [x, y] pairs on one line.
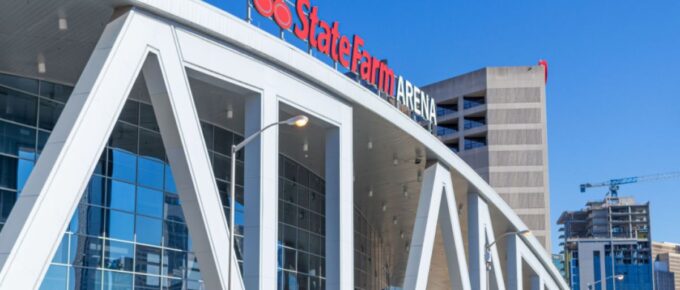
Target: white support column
[[514, 268], [261, 193], [436, 205], [339, 207], [480, 234], [52, 192]]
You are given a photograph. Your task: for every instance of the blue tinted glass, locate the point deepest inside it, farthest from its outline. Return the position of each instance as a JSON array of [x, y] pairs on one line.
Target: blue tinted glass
[[174, 263], [122, 196], [8, 167], [20, 83], [23, 171], [192, 267], [49, 114], [7, 201], [18, 107], [151, 145], [171, 284], [55, 279], [88, 251], [149, 230], [120, 225], [122, 165], [147, 118], [148, 260], [91, 220], [17, 140], [86, 279], [149, 202], [94, 193], [173, 209], [118, 255], [169, 181], [150, 173], [144, 282], [176, 236], [55, 92], [117, 281], [61, 256]]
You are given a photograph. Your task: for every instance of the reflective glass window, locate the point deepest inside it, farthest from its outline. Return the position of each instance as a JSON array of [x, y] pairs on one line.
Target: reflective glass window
[[23, 171], [61, 256], [94, 193], [148, 260], [145, 282], [20, 83], [88, 251], [91, 220], [174, 263], [87, 279], [18, 107], [120, 225], [130, 112], [169, 180], [172, 283], [17, 140], [149, 230], [221, 167], [208, 135], [223, 141], [7, 201], [176, 236], [151, 145], [147, 118], [124, 136], [55, 91], [149, 202], [49, 114], [8, 167], [150, 173], [173, 209], [121, 196], [193, 271], [55, 279], [122, 165], [118, 255], [117, 281]]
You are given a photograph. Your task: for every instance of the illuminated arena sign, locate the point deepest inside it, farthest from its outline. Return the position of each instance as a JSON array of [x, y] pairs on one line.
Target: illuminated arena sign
[[349, 52]]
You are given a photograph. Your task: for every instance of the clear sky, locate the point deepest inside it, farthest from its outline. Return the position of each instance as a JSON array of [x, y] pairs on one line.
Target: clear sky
[[613, 90]]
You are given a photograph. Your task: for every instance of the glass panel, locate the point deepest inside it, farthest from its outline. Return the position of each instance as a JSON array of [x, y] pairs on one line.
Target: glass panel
[[169, 180], [17, 140], [88, 251], [223, 141], [151, 145], [124, 137], [87, 279], [88, 220], [149, 202], [55, 279], [221, 167], [55, 91], [122, 196], [7, 201], [147, 119], [118, 255], [174, 263], [130, 112], [149, 230], [193, 271], [8, 167], [18, 107], [61, 256], [122, 165], [173, 210], [24, 170], [20, 83], [144, 282], [176, 236], [94, 193], [289, 259], [120, 225], [208, 135], [117, 281], [172, 284], [150, 173], [148, 260], [49, 114]]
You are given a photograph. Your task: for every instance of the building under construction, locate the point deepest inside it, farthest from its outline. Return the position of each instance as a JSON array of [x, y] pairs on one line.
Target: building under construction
[[606, 239]]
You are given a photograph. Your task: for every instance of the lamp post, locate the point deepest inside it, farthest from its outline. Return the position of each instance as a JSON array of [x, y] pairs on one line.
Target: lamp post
[[613, 277], [487, 252], [297, 121]]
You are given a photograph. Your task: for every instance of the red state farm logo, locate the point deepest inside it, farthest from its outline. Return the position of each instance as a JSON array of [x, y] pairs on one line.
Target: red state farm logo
[[276, 8]]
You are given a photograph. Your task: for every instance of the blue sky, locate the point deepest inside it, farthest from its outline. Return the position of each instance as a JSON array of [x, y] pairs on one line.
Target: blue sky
[[613, 92]]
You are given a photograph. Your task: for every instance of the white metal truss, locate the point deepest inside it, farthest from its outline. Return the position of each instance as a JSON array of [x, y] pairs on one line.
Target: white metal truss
[[436, 205], [130, 44]]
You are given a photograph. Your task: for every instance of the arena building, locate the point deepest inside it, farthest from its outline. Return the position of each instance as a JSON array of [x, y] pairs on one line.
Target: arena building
[[118, 119]]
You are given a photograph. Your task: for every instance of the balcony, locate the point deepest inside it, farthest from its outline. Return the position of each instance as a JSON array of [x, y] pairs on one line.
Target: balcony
[[474, 122], [444, 131], [443, 110], [475, 142], [471, 102]]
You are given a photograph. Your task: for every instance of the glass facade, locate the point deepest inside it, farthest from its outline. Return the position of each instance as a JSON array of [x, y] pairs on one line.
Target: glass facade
[[129, 232]]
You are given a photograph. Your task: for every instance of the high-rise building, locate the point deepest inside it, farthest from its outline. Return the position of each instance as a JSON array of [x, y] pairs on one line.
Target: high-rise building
[[666, 264], [606, 239], [495, 119]]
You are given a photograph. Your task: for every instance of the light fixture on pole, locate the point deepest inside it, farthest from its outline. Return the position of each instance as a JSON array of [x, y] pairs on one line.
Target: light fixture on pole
[[297, 121], [613, 277], [487, 252]]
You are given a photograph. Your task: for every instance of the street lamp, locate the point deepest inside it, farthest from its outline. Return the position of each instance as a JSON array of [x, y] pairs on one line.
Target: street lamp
[[614, 277], [487, 252], [297, 121]]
